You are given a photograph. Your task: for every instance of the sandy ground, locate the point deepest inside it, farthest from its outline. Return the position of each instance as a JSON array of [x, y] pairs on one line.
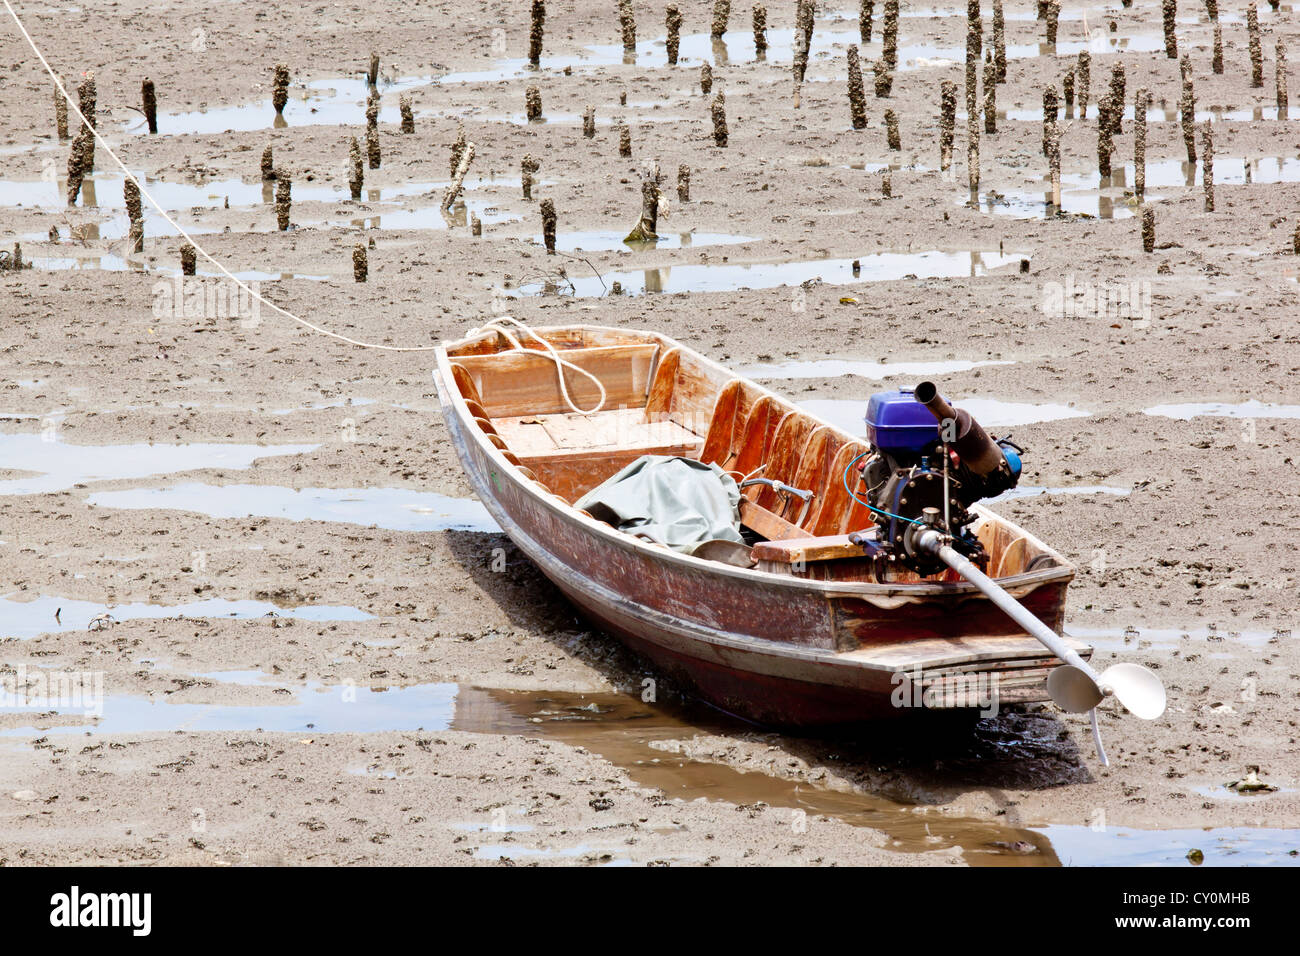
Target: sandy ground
[[1205, 536]]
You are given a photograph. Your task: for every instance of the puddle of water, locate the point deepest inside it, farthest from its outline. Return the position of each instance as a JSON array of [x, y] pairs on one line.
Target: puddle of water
[[59, 466], [834, 368], [338, 101], [1026, 204], [396, 509], [1121, 846], [1032, 491], [108, 192], [115, 263], [601, 241], [28, 618], [1250, 409], [722, 277], [989, 412], [322, 710]]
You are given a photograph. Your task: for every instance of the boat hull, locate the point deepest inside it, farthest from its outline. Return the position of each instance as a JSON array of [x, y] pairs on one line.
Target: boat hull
[[775, 649]]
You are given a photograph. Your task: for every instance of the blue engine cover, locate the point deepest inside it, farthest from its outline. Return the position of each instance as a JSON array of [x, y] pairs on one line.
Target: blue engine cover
[[898, 423]]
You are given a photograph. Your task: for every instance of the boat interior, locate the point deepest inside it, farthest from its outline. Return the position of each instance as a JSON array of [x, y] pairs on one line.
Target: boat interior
[[664, 399]]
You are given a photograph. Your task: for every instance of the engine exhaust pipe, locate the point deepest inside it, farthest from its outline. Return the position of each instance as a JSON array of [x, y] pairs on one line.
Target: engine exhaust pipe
[[977, 450]]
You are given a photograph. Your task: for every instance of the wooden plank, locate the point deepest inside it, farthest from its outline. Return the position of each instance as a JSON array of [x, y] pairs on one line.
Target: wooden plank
[[621, 429], [805, 549], [961, 652], [526, 382], [769, 525]]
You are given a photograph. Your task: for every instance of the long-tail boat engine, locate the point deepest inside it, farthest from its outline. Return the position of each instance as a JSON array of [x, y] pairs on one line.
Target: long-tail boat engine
[[928, 463]]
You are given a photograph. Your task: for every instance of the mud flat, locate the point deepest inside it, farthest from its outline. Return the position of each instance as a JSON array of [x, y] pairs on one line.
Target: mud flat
[[318, 651]]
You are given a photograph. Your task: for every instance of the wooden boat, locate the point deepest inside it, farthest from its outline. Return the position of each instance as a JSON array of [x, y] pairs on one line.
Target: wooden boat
[[814, 634]]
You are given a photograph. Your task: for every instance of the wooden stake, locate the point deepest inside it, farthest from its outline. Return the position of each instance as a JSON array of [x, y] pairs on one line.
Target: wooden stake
[[189, 259], [535, 33], [891, 130], [1169, 9], [1148, 229], [1207, 164], [134, 214], [1067, 87], [999, 41], [149, 100], [533, 103], [372, 147], [360, 263], [884, 79], [283, 199], [889, 35], [1216, 60], [1104, 144], [1256, 50], [1118, 94], [857, 96], [947, 123], [76, 164], [627, 22], [706, 78], [673, 21], [624, 141], [647, 226], [1187, 104], [719, 120], [990, 96], [458, 178], [1281, 76], [548, 225], [589, 121], [1051, 105], [721, 14], [280, 88], [760, 31], [268, 165], [60, 113], [866, 12], [357, 178], [527, 167], [408, 117], [1053, 19], [87, 97], [1141, 101], [1054, 164], [1084, 75], [457, 148], [372, 77], [684, 183]]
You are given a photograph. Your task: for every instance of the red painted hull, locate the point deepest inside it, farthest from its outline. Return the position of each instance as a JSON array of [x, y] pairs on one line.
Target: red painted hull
[[767, 647]]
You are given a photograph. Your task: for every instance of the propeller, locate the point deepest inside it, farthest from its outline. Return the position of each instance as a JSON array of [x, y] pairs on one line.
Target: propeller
[[1078, 689], [1074, 686]]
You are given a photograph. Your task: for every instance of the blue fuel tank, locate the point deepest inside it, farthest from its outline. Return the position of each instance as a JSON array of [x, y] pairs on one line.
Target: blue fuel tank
[[898, 424]]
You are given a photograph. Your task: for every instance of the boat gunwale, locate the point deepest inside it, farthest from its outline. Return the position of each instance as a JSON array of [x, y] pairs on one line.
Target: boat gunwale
[[450, 396]]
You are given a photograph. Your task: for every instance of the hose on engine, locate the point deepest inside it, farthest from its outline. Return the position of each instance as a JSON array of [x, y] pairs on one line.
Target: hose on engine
[[866, 504]]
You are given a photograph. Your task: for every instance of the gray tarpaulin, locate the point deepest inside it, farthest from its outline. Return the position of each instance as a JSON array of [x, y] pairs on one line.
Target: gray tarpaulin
[[675, 501]]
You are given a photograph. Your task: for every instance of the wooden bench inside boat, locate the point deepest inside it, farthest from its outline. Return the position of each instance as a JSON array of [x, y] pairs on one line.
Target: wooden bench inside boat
[[662, 401]]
